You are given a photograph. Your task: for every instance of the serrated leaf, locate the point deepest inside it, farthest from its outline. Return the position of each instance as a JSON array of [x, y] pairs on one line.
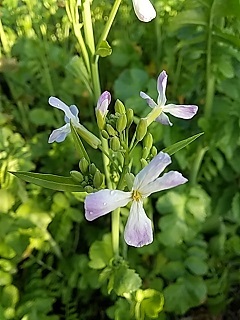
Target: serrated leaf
[[104, 49], [125, 280], [181, 144], [49, 181]]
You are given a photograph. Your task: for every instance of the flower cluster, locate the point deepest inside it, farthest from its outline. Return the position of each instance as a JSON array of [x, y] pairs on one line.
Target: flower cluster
[[138, 230]]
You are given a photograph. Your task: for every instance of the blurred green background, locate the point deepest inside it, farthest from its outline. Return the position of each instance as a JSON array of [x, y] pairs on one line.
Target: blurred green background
[[44, 239]]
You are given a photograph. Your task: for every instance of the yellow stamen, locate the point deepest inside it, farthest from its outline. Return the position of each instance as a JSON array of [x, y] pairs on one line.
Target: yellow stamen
[[136, 195]]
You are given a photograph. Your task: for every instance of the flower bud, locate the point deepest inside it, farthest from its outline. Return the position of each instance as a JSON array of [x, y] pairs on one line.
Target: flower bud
[[88, 136], [115, 144], [144, 163], [154, 151], [77, 176], [148, 141], [83, 165], [98, 179], [100, 119], [92, 169], [145, 152], [111, 130], [119, 107], [88, 189], [105, 134], [121, 123], [141, 129], [129, 113], [129, 178]]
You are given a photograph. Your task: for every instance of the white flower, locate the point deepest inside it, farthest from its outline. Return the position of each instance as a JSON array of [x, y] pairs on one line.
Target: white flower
[[144, 10], [138, 231]]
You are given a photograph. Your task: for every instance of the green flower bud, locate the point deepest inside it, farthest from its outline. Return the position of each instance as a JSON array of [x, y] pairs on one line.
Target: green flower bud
[[77, 176], [83, 165], [88, 189], [129, 178], [105, 134], [145, 152], [98, 179], [121, 123], [129, 113], [100, 119], [88, 136], [148, 141], [144, 163], [141, 129], [111, 130], [92, 169], [119, 107], [154, 151], [115, 144]]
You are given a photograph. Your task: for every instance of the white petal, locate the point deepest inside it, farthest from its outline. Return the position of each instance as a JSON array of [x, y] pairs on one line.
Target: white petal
[[104, 201], [148, 99], [163, 119], [59, 134], [151, 171], [138, 230], [57, 103], [169, 180], [161, 87], [181, 111], [144, 10]]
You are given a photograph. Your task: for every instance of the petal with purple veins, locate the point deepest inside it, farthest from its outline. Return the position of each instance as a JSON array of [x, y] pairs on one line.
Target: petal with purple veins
[[164, 119], [138, 230], [103, 102], [57, 103], [104, 201], [181, 111], [151, 171], [169, 180], [161, 88]]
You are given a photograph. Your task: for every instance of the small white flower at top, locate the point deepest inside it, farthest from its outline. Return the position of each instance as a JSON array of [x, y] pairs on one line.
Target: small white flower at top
[[179, 111], [144, 10], [138, 231]]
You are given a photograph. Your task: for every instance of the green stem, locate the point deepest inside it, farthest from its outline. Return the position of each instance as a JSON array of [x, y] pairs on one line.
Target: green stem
[[210, 79], [196, 165], [109, 22], [115, 231]]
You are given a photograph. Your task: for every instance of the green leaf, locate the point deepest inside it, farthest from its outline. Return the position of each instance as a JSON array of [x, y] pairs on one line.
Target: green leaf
[[104, 49], [125, 280], [172, 270], [196, 265], [151, 303], [78, 144], [49, 181], [187, 292], [101, 252], [181, 144]]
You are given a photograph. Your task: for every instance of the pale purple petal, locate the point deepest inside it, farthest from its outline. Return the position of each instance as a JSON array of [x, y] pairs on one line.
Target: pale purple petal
[[151, 171], [161, 88], [144, 10], [104, 201], [103, 102], [138, 230], [57, 103], [163, 119], [74, 111], [59, 134], [169, 180], [181, 111], [148, 99]]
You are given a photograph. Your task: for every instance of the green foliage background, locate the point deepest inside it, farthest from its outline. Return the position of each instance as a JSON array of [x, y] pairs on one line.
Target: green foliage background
[[46, 269]]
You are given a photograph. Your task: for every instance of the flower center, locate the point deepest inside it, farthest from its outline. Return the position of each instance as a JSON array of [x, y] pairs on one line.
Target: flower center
[[136, 195]]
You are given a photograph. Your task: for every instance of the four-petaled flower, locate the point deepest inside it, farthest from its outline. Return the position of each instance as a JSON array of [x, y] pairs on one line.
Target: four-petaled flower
[[138, 231], [71, 113], [144, 10], [179, 111]]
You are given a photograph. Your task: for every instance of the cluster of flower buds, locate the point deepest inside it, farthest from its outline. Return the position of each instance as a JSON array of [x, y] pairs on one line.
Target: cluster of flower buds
[[89, 177]]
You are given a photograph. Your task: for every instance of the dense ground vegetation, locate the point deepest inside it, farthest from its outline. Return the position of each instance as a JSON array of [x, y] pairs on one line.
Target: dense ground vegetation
[[194, 260]]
